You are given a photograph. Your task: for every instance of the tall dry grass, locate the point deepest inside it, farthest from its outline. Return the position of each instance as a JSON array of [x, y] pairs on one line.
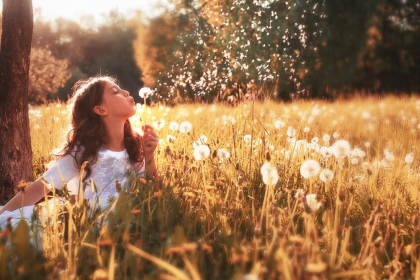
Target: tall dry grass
[[215, 218]]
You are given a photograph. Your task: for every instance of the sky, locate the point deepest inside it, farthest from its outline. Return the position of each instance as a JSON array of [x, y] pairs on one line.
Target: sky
[[73, 9]]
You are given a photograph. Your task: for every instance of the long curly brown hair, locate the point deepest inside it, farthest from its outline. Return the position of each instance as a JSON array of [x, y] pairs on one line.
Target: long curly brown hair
[[87, 133]]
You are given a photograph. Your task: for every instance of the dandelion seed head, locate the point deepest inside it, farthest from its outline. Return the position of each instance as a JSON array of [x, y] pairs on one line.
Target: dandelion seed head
[[309, 169], [269, 174], [185, 127], [341, 148], [326, 175], [201, 152]]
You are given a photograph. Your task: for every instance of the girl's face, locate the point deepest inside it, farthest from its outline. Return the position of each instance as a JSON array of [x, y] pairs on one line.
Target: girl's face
[[116, 102]]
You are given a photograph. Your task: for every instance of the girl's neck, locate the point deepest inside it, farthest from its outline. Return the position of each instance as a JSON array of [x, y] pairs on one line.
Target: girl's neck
[[115, 132]]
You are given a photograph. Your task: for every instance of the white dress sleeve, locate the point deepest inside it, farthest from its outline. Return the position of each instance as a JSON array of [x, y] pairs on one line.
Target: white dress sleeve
[[65, 168]]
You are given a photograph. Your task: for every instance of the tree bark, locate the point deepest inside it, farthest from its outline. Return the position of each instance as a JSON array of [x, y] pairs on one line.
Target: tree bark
[[15, 141]]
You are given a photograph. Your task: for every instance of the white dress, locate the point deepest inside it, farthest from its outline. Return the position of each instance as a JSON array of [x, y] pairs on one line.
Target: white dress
[[109, 167]]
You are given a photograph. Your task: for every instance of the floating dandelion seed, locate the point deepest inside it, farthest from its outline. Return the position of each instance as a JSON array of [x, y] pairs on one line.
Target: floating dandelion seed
[[326, 175], [145, 92], [269, 174], [312, 202], [174, 126], [409, 158], [185, 127], [341, 148], [309, 169], [201, 152]]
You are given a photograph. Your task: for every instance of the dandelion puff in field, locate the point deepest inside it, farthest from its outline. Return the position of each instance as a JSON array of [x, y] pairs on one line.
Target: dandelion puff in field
[[354, 161], [309, 169], [326, 175], [312, 202], [306, 129], [315, 140], [291, 131], [279, 124], [247, 138], [341, 148], [145, 92], [203, 139], [326, 138], [223, 154], [174, 126], [185, 127], [269, 174], [336, 135], [367, 144], [409, 158], [316, 112], [201, 152], [326, 152], [389, 156]]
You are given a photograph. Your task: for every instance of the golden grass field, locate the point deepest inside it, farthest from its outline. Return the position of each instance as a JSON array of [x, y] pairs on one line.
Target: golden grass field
[[266, 193]]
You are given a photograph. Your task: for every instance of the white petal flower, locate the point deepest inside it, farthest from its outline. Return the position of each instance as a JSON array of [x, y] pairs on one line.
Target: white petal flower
[[185, 127], [201, 152], [269, 174], [312, 202], [326, 175], [341, 148], [309, 169]]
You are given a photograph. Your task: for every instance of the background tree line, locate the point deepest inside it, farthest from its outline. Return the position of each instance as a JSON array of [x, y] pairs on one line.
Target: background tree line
[[220, 50]]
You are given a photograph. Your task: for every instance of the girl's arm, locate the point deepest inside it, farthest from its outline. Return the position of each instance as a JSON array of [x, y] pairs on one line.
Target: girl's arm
[[32, 194], [150, 141]]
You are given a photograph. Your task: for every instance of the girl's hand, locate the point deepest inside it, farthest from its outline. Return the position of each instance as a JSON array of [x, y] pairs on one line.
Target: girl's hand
[[150, 140]]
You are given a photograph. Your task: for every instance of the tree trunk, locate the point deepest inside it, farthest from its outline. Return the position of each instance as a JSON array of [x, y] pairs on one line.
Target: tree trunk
[[15, 141]]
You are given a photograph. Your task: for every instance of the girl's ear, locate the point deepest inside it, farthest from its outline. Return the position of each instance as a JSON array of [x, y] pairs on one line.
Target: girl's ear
[[99, 111]]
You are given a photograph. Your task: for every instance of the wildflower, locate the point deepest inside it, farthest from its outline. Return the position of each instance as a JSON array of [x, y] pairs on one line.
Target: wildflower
[[279, 124], [409, 158], [309, 169], [312, 202], [201, 152], [145, 92], [223, 154], [326, 175], [341, 148], [269, 174], [185, 127]]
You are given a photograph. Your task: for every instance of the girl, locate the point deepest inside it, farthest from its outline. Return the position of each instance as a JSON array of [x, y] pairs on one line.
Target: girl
[[100, 133]]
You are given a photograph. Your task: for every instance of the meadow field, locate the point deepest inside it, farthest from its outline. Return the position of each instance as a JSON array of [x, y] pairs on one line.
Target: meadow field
[[306, 190]]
